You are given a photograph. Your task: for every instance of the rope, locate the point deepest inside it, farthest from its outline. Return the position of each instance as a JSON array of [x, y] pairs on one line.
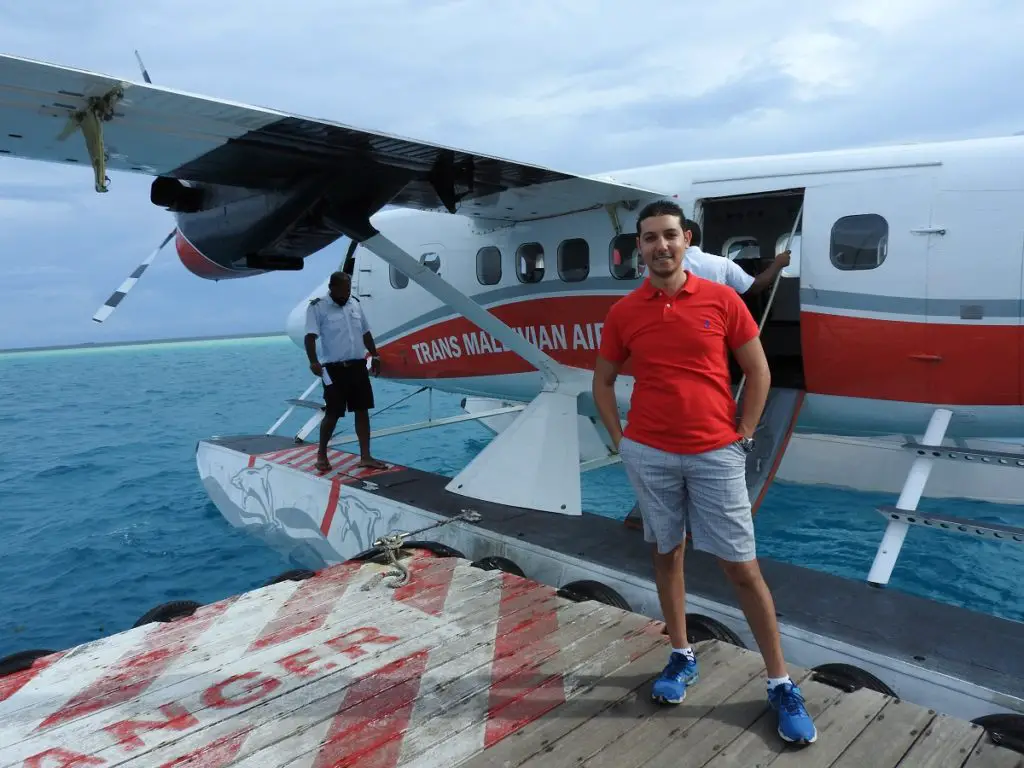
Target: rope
[[400, 400], [392, 542]]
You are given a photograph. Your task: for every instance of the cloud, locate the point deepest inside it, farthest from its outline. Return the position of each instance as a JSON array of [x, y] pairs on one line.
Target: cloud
[[586, 87]]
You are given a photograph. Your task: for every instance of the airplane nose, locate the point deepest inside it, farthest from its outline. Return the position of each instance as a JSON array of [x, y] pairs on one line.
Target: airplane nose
[[295, 323]]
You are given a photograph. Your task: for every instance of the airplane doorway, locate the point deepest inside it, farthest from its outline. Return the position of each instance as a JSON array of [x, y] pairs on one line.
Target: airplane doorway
[[751, 230]]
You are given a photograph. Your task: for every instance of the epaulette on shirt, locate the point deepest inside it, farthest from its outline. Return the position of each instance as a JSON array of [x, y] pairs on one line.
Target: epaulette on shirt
[[313, 302]]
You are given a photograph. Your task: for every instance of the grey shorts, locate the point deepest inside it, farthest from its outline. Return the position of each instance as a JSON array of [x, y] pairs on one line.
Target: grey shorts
[[705, 492]]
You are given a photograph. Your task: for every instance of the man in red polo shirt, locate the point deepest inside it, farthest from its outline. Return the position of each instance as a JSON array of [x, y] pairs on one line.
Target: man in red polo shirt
[[682, 449]]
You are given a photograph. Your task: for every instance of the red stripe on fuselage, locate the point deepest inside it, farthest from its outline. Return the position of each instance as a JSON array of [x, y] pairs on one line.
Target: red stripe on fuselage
[[879, 359], [955, 364]]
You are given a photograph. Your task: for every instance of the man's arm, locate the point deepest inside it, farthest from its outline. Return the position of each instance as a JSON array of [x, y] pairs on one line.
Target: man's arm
[[603, 389], [612, 354], [372, 348], [752, 361], [744, 340], [312, 331], [764, 280]]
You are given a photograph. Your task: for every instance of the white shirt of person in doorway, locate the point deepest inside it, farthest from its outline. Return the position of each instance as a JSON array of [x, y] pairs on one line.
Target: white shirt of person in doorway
[[718, 269]]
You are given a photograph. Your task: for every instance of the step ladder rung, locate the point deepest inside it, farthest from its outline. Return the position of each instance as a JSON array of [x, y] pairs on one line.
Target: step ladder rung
[[313, 404], [942, 522], [984, 457]]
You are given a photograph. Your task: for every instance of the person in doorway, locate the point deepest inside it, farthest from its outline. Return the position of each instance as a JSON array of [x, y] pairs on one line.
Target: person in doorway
[[683, 452], [726, 271], [339, 323]]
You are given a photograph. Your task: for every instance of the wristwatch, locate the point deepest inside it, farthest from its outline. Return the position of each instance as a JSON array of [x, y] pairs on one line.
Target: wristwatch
[[746, 443]]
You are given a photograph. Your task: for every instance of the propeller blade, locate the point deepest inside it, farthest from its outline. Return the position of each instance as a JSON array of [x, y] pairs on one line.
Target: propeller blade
[[117, 296], [145, 74]]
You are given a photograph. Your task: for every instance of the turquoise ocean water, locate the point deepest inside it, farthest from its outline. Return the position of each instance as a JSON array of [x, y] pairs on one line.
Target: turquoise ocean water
[[104, 516]]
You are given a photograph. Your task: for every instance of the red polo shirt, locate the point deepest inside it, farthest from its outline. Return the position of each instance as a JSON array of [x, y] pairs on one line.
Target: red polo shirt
[[677, 348]]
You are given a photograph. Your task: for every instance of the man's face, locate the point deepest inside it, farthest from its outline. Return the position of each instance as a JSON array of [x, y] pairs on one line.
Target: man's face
[[662, 241], [340, 290]]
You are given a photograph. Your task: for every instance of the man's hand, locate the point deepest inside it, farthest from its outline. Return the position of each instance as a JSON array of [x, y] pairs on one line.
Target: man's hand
[[375, 366], [783, 259], [316, 368]]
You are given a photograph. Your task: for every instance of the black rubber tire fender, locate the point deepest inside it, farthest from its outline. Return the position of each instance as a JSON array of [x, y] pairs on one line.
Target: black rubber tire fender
[[175, 609], [700, 627], [849, 678], [588, 589], [499, 563], [296, 574], [22, 660]]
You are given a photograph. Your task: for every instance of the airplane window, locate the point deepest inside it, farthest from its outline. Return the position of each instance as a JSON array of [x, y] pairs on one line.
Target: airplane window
[[742, 248], [793, 270], [859, 242], [398, 279], [431, 261], [530, 263], [574, 260], [488, 265], [624, 258]]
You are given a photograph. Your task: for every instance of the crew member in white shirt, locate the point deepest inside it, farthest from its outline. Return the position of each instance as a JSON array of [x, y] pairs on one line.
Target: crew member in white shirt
[[344, 334], [722, 270]]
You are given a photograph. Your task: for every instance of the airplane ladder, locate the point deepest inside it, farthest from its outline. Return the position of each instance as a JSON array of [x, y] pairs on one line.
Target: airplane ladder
[[904, 514]]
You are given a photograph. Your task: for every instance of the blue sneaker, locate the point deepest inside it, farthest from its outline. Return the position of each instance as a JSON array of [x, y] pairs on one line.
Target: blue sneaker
[[795, 725], [670, 687]]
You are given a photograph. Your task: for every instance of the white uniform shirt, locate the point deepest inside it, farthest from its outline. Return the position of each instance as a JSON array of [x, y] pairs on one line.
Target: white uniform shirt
[[717, 269], [340, 329]]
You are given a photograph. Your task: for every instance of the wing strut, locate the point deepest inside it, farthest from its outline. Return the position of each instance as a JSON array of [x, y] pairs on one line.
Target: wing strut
[[555, 374], [541, 445]]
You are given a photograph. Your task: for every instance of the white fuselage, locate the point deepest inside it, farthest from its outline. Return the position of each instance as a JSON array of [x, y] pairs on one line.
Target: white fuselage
[[930, 316]]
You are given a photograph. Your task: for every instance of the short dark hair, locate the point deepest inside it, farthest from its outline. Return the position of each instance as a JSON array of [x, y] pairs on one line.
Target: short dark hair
[[694, 229], [337, 277], [660, 208]]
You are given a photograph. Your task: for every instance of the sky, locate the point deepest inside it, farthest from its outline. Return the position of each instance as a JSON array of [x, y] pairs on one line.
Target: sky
[[581, 85]]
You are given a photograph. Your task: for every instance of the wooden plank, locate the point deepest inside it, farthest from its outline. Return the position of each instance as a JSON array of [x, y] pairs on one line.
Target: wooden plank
[[838, 726], [887, 737], [723, 725], [372, 723], [287, 666], [641, 658], [269, 730], [628, 712], [576, 662], [946, 742], [461, 667], [989, 755], [650, 727], [718, 708], [215, 635], [760, 744]]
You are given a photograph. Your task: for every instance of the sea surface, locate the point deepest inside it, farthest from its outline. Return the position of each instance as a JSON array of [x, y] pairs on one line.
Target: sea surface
[[104, 516]]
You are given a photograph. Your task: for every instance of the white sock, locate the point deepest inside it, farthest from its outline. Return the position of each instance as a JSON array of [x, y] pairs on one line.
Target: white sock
[[687, 651], [773, 681]]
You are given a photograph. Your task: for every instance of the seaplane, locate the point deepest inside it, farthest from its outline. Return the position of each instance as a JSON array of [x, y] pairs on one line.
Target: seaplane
[[899, 314]]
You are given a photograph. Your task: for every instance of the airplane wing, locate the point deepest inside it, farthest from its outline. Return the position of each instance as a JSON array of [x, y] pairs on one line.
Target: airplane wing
[[59, 114]]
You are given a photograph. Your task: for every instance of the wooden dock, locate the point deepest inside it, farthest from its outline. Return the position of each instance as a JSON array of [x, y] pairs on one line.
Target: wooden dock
[[457, 667]]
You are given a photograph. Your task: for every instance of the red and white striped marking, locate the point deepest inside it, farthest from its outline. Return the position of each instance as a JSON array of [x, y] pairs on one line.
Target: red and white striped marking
[[321, 673], [344, 466]]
